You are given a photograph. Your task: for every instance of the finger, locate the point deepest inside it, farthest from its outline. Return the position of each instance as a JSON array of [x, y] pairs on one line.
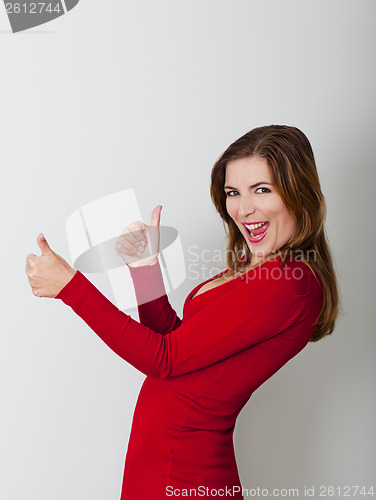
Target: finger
[[29, 267], [127, 238], [129, 241], [134, 226], [30, 258], [125, 247], [134, 232], [152, 231], [132, 250], [43, 245], [156, 216]]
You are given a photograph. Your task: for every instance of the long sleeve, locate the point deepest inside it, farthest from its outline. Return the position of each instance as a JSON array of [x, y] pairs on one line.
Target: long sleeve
[[247, 314], [154, 308]]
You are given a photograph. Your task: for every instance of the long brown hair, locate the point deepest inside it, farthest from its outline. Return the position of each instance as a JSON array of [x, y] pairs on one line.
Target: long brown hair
[[293, 169]]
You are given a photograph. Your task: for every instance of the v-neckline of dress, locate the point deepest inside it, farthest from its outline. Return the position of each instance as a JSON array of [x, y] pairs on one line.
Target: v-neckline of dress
[[198, 287], [233, 280]]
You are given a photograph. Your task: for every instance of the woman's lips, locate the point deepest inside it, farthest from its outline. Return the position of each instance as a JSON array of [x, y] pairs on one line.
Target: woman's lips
[[259, 233]]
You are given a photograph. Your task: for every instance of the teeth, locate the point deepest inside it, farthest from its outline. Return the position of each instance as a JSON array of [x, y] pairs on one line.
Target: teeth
[[255, 226]]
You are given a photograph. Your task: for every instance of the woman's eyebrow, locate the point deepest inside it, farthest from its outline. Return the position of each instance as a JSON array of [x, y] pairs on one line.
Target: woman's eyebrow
[[253, 185]]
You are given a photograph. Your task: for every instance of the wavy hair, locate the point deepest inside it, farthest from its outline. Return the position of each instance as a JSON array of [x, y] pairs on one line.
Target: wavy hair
[[293, 169]]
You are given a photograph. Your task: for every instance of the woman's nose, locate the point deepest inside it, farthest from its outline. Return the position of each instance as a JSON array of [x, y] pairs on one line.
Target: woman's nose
[[246, 206]]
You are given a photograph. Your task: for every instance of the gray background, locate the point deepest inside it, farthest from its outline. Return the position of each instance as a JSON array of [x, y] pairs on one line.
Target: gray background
[[147, 95]]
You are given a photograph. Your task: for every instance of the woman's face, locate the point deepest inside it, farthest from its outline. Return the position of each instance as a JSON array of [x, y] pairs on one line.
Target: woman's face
[[252, 198]]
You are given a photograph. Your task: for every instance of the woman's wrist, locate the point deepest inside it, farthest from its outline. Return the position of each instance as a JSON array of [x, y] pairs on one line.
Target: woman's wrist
[[143, 263]]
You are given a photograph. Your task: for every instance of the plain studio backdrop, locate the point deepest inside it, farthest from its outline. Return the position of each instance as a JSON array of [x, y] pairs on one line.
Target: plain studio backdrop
[[146, 95]]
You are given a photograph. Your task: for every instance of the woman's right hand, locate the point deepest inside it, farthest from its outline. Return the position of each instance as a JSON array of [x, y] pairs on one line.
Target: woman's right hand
[[138, 237]]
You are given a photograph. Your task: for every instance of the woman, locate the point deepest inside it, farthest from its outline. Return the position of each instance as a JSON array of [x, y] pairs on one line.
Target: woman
[[240, 327]]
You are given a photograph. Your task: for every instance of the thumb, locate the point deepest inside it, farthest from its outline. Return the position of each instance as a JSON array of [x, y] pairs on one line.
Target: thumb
[[156, 216], [43, 245]]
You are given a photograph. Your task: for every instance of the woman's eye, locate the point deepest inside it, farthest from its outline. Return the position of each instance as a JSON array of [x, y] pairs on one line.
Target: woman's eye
[[228, 194]]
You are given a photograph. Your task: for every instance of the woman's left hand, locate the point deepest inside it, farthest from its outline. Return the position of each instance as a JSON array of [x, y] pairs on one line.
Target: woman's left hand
[[47, 273]]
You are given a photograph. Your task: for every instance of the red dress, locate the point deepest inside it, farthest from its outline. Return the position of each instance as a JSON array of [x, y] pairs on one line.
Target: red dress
[[201, 370]]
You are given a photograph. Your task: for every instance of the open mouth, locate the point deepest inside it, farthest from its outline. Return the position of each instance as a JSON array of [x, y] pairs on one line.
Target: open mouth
[[259, 229], [257, 233]]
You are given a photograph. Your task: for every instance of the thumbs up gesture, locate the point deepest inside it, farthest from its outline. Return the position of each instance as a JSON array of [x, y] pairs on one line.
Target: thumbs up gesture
[[138, 244], [47, 273]]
